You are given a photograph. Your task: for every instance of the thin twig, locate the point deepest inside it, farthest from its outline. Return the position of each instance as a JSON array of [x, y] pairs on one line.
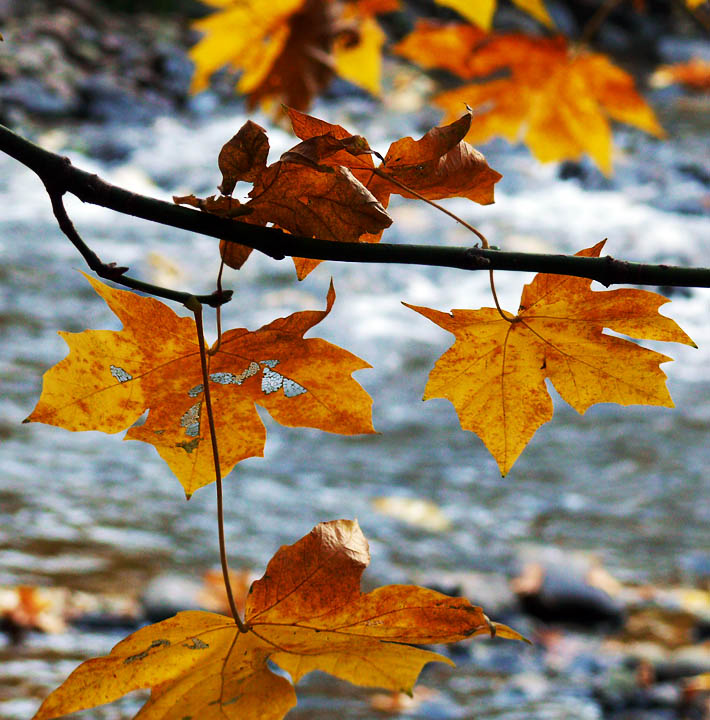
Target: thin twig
[[110, 271], [194, 305]]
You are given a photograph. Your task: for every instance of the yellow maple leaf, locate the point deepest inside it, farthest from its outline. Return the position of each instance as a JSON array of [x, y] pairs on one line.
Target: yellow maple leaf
[[558, 101], [495, 372], [226, 39], [360, 62], [110, 378], [306, 613], [289, 50], [481, 12]]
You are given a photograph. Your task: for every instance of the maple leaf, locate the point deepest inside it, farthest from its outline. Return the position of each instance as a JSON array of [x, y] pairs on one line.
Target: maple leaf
[[292, 48], [557, 100], [480, 12], [110, 378], [441, 45], [495, 372], [306, 613], [438, 165]]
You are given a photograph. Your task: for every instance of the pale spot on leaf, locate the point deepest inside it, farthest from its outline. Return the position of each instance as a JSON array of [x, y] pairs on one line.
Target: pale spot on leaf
[[271, 381], [120, 374], [195, 391], [191, 421], [292, 388], [226, 378]]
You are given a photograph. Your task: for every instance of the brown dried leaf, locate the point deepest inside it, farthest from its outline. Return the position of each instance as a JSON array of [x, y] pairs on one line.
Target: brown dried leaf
[[243, 157]]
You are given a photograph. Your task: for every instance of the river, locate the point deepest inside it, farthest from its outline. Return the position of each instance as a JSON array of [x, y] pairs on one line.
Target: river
[[627, 485]]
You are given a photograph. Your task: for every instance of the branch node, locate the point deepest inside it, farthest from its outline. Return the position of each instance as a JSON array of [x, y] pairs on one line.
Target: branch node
[[476, 260], [110, 271], [218, 298]]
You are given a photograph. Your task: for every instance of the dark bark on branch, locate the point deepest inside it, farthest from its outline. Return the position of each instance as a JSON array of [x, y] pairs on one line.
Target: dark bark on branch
[[60, 176]]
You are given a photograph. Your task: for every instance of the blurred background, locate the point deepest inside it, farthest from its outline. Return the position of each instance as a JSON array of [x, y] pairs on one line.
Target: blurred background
[[596, 545]]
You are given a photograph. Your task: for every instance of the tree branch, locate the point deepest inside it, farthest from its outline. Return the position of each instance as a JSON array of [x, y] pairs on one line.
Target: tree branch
[[57, 173]]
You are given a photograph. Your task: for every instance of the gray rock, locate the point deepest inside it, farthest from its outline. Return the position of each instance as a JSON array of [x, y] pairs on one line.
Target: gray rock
[[35, 97]]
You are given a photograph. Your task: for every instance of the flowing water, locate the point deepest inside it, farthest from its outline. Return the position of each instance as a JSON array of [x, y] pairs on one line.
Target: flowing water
[[628, 485]]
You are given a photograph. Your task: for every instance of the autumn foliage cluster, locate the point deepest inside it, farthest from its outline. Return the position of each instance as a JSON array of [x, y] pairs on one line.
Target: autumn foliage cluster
[[549, 91], [307, 612]]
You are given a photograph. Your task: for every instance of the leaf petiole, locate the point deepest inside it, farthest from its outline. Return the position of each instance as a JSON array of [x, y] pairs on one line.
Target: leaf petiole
[[484, 241], [218, 312], [196, 308], [468, 226]]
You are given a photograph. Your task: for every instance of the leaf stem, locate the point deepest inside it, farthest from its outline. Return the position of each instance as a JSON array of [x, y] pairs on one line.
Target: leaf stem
[[218, 312], [468, 226], [196, 308], [495, 299]]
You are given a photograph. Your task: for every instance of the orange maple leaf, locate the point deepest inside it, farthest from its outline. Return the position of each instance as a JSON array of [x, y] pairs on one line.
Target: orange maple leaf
[[290, 50], [448, 46], [495, 372], [306, 613], [438, 165], [110, 378], [558, 100]]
